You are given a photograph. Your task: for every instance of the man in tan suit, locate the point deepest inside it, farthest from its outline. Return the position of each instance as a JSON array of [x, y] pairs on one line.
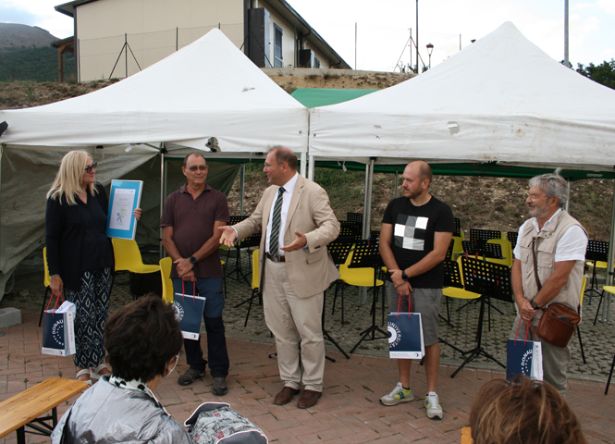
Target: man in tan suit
[[297, 223]]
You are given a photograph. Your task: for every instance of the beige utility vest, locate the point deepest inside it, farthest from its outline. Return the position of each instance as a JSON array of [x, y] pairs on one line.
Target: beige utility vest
[[546, 243]]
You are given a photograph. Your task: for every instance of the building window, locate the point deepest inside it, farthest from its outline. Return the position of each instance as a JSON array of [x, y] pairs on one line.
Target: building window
[[316, 63], [278, 61]]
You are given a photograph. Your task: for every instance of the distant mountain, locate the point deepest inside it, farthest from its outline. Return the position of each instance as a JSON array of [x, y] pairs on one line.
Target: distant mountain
[[26, 54], [16, 36]]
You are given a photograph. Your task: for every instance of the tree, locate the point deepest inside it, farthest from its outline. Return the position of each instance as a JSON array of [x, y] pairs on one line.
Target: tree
[[603, 73]]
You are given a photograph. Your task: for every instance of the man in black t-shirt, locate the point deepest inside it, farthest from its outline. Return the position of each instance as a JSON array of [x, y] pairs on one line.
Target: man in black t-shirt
[[414, 237]]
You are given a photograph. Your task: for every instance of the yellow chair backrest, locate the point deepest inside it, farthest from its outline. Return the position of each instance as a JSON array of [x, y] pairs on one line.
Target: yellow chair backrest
[[583, 285], [128, 257], [359, 276], [167, 284], [506, 249], [457, 246], [127, 254], [256, 270], [46, 277]]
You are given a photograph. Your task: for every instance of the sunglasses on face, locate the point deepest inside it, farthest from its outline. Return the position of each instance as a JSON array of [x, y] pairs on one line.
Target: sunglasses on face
[[197, 167], [91, 167]]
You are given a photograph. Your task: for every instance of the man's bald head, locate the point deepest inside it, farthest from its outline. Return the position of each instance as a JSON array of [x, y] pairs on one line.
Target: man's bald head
[[421, 168]]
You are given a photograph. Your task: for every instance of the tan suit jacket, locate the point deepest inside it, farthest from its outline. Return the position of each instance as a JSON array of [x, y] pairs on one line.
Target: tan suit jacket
[[311, 269]]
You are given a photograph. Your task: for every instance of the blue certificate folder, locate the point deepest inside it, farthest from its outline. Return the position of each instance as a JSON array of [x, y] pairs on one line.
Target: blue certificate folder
[[124, 198]]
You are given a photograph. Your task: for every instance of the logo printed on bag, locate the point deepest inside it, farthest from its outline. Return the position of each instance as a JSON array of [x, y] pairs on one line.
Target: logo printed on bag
[[526, 360], [179, 311], [57, 332], [394, 334]]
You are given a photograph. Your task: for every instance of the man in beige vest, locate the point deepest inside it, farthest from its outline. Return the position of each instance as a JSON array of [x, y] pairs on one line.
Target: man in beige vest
[[557, 242], [297, 223]]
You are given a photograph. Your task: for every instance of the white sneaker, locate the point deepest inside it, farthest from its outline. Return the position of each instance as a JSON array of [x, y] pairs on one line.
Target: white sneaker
[[433, 407], [397, 396]]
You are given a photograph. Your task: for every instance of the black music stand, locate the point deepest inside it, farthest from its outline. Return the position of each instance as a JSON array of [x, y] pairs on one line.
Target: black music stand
[[596, 251], [457, 231], [366, 255], [512, 238], [339, 252], [484, 235], [490, 281], [251, 241]]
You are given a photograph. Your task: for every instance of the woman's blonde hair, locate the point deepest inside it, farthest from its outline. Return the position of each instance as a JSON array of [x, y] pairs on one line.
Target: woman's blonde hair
[[68, 180], [523, 412]]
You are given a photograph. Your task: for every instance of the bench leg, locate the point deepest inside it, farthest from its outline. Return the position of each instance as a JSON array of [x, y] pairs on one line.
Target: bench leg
[[21, 435]]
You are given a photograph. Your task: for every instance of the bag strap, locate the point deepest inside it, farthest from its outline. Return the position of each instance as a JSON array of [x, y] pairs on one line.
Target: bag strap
[[409, 304], [534, 246]]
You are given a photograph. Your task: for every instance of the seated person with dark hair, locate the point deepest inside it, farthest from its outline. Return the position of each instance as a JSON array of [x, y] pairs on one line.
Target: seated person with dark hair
[[142, 340], [522, 412]]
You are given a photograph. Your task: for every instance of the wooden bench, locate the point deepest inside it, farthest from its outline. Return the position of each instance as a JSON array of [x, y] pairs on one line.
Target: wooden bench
[[25, 409]]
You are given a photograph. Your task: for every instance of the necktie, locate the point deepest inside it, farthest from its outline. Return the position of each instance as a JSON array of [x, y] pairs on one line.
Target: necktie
[[274, 237]]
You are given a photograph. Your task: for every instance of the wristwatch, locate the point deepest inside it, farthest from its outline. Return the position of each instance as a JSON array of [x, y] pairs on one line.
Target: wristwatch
[[193, 260], [404, 276], [535, 306]]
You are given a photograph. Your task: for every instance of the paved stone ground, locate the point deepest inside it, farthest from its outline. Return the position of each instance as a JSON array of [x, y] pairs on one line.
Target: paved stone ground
[[349, 411]]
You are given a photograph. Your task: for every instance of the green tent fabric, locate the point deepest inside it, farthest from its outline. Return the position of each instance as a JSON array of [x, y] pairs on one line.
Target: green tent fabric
[[312, 97]]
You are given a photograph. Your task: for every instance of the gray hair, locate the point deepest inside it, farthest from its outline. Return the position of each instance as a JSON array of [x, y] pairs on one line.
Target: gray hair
[[553, 185]]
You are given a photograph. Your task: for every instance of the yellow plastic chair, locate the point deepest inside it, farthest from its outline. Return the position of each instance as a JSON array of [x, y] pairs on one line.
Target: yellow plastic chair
[[358, 277], [607, 290], [583, 285], [166, 263], [506, 249], [454, 285], [128, 257], [46, 284], [255, 284]]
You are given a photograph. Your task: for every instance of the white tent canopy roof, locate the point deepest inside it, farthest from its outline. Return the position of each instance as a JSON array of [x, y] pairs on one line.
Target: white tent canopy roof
[[500, 99], [208, 88]]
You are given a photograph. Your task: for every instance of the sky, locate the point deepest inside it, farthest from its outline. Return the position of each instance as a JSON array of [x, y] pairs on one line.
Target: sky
[[383, 26]]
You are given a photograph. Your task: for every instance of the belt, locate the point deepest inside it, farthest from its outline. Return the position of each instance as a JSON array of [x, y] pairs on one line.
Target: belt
[[275, 258]]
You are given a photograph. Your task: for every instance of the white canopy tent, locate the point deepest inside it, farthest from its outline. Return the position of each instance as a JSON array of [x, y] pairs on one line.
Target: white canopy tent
[[500, 100], [208, 89]]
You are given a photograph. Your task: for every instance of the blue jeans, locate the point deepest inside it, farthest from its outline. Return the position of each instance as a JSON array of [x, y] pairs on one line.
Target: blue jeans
[[211, 289]]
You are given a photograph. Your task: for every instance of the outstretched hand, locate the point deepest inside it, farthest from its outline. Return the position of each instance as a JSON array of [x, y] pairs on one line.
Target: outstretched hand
[[228, 237], [299, 242]]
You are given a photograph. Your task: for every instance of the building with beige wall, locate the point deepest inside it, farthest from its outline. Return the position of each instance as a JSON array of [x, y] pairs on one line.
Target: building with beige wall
[[117, 38]]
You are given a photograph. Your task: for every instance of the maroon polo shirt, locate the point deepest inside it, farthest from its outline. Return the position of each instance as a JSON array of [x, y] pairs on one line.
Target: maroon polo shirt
[[193, 222]]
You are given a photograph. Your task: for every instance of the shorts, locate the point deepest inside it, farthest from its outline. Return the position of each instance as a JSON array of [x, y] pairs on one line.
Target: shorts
[[425, 301]]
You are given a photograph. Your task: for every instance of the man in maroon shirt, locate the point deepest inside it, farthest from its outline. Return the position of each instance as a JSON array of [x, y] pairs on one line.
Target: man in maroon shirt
[[190, 222]]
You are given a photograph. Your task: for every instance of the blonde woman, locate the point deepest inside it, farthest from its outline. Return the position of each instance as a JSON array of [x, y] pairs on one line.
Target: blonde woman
[[80, 256]]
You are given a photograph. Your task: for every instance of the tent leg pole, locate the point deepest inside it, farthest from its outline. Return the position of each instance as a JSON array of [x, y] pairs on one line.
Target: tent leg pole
[[311, 166], [162, 194], [242, 186]]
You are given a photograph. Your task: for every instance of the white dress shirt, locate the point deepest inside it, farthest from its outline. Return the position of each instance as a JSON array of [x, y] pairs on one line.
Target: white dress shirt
[[289, 188]]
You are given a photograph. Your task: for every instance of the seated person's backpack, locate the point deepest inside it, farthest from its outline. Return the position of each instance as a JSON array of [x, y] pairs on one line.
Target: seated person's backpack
[[217, 422]]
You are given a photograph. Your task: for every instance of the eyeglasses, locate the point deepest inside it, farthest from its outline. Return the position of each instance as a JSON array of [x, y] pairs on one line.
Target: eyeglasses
[[91, 167], [197, 167]]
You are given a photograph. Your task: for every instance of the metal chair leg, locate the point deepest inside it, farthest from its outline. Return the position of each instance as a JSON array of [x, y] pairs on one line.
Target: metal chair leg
[[581, 345], [45, 295], [598, 309], [608, 382]]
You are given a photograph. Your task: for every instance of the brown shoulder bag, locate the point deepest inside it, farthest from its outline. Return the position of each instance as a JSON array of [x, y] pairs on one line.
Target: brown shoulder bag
[[558, 320]]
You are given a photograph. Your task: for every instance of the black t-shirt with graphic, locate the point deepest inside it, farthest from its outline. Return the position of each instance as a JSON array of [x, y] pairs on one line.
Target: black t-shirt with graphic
[[413, 235]]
